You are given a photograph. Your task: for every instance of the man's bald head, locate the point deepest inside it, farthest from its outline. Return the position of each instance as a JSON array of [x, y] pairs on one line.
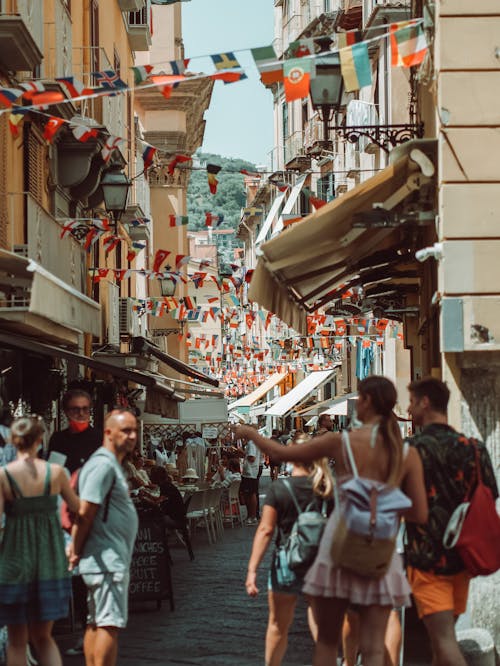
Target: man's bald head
[[120, 432]]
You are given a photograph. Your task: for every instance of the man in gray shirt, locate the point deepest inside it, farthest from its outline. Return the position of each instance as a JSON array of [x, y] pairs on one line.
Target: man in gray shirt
[[104, 536]]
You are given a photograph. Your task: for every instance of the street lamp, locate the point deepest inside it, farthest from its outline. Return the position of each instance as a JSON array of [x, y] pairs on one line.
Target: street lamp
[[326, 88], [115, 187], [167, 284], [326, 91]]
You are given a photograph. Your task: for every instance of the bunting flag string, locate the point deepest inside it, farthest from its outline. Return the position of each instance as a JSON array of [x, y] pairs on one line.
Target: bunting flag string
[[408, 45]]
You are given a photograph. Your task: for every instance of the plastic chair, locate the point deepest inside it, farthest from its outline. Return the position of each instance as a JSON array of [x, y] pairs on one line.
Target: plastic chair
[[198, 509], [214, 510], [233, 505]]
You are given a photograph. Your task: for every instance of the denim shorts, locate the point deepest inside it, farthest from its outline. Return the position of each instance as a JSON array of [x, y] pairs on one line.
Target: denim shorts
[[274, 584], [107, 599]]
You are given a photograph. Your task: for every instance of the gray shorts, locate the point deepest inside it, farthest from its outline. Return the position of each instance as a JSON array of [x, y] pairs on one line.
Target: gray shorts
[[107, 599]]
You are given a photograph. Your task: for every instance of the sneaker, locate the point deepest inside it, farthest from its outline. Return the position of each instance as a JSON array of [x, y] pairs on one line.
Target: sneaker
[[252, 521], [76, 650]]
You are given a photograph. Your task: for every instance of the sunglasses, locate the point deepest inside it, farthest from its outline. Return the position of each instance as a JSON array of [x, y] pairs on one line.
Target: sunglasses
[[78, 410]]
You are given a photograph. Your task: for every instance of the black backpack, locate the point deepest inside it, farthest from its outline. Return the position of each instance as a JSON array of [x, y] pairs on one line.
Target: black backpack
[[301, 546]]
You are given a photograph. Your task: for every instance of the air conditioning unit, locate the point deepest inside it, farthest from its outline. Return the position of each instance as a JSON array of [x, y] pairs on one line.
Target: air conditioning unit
[[128, 319], [21, 250]]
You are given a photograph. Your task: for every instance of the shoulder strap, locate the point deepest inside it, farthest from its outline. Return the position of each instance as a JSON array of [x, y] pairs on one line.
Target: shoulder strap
[[16, 491], [373, 436], [347, 444], [288, 486], [46, 489]]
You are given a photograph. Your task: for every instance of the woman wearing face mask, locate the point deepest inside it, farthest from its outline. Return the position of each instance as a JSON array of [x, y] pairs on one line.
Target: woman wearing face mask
[[34, 581], [79, 440]]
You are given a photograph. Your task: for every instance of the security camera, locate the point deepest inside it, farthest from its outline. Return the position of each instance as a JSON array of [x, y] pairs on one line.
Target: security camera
[[435, 251]]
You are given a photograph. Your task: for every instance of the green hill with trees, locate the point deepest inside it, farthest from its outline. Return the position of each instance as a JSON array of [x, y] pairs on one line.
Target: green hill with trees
[[230, 197]]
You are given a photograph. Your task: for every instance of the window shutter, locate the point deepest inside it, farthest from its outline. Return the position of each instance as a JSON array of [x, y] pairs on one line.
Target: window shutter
[[36, 161]]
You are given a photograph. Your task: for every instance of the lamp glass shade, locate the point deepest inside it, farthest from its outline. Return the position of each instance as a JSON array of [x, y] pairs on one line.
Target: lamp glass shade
[[167, 286], [115, 186], [327, 86]]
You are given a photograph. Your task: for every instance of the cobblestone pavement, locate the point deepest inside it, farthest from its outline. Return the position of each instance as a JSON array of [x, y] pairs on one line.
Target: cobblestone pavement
[[214, 622]]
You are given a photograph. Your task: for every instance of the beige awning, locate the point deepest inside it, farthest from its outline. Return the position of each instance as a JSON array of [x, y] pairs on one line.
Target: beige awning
[[259, 392], [303, 268]]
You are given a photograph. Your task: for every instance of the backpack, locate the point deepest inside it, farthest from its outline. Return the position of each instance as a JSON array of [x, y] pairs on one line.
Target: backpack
[[474, 528], [301, 546], [368, 517]]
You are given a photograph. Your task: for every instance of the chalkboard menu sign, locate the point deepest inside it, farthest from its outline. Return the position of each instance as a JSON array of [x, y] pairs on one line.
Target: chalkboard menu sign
[[150, 569]]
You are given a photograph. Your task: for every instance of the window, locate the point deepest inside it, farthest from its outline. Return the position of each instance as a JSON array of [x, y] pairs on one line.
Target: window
[[94, 35], [286, 130], [326, 187]]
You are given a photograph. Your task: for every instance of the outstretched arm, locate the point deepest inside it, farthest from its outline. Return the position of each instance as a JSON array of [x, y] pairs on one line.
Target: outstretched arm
[[317, 447]]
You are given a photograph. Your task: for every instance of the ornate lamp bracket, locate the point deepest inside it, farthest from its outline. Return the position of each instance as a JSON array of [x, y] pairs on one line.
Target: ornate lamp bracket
[[385, 137]]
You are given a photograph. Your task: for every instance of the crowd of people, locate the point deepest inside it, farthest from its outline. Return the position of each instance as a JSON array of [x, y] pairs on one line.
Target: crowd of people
[[435, 469], [103, 481]]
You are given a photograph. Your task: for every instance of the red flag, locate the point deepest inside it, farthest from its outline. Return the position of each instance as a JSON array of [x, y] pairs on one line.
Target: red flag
[[91, 238], [177, 160], [101, 274], [316, 202], [181, 259], [52, 127], [212, 171], [160, 257]]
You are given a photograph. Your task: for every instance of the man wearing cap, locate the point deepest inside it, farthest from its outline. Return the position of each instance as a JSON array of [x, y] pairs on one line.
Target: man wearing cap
[[249, 487]]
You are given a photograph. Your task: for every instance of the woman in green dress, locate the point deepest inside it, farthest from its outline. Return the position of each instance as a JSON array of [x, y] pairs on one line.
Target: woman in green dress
[[35, 584]]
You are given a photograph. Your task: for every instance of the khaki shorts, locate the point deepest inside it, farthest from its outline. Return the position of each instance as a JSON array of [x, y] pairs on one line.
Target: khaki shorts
[[434, 593], [107, 599]]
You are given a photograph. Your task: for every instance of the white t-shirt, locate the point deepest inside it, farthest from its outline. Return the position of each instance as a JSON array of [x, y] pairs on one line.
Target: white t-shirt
[[251, 469], [161, 457]]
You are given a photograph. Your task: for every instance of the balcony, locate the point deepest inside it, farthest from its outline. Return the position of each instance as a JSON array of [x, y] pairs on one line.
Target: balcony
[[63, 257], [379, 13], [21, 36], [314, 141], [351, 15], [295, 154], [139, 28], [131, 5]]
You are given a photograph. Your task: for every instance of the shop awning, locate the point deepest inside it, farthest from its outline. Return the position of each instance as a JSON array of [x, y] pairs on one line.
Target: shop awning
[[32, 295], [273, 211], [141, 345], [147, 379], [344, 243], [259, 392], [335, 407], [286, 403]]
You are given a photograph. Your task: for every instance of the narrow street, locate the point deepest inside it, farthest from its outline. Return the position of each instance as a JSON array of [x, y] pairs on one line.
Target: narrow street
[[214, 623]]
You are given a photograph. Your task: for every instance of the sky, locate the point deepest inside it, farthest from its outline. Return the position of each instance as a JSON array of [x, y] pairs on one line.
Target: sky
[[239, 120]]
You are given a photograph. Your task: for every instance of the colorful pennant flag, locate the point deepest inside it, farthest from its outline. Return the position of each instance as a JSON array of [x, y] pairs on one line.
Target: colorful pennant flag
[[348, 38], [111, 144], [110, 242], [108, 79], [300, 48], [72, 87], [142, 73], [355, 66], [52, 127], [210, 218], [266, 60], [251, 174], [14, 122], [134, 250], [212, 171], [179, 66], [83, 132], [178, 159], [9, 95], [160, 257], [297, 73], [408, 44], [224, 61], [68, 227], [178, 220], [181, 259], [148, 157]]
